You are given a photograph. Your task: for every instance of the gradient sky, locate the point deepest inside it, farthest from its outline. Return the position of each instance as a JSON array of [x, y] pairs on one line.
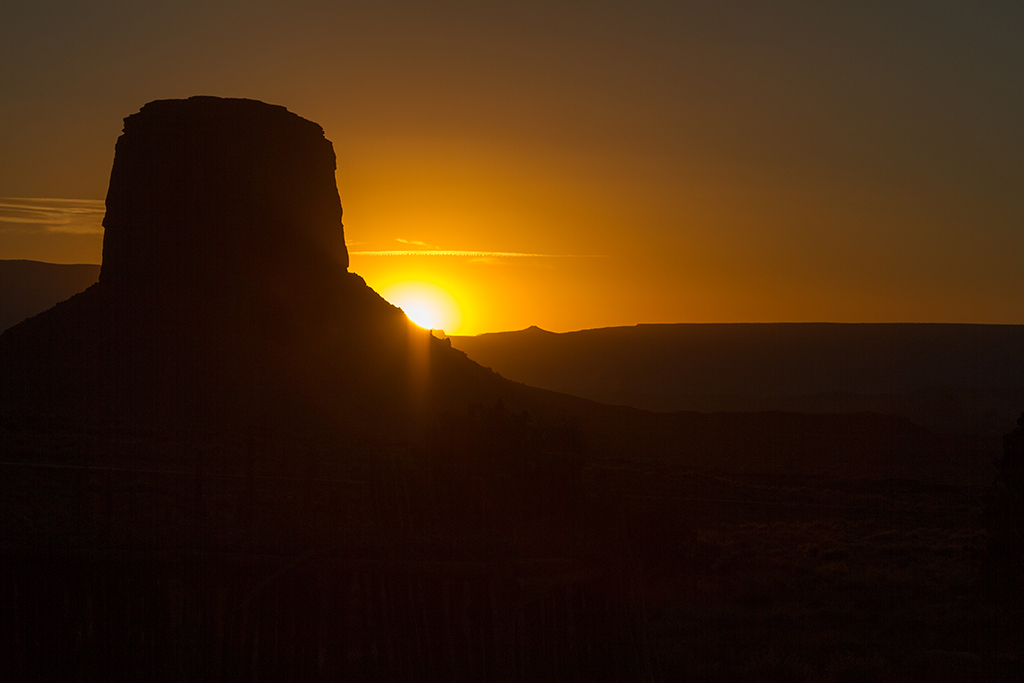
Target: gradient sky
[[580, 164]]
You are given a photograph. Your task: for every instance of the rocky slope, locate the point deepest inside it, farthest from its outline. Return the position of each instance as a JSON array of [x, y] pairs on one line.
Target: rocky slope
[[28, 288]]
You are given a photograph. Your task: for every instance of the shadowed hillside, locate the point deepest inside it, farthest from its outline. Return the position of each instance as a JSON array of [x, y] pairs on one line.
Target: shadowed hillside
[[30, 287], [966, 379]]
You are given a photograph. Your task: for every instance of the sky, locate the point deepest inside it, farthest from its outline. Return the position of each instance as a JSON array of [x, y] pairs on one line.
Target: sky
[[579, 164]]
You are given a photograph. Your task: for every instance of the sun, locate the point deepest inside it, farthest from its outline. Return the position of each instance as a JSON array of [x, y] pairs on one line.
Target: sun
[[426, 304]]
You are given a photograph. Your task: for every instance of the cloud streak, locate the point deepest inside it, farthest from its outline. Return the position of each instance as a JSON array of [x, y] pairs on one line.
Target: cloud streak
[[85, 217], [74, 216], [471, 254], [416, 242]]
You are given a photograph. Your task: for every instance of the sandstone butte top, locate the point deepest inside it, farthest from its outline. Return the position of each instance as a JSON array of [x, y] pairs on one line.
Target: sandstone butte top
[[207, 191]]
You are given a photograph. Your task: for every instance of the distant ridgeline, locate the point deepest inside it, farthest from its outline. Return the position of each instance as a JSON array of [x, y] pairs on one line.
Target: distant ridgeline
[[28, 288], [952, 378]]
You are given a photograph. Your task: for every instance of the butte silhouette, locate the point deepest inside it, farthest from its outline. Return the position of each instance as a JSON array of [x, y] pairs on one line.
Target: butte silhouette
[[224, 295]]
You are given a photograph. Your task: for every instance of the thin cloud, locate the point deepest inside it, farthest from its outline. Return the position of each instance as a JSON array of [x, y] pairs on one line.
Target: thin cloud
[[416, 242], [471, 254], [76, 216]]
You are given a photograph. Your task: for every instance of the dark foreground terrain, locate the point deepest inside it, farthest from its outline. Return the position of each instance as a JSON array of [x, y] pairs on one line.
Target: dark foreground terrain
[[487, 549]]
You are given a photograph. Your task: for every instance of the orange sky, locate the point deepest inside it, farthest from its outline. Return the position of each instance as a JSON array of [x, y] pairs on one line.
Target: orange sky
[[661, 164]]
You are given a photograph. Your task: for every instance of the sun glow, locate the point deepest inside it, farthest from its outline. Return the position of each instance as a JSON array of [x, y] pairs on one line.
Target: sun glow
[[426, 304]]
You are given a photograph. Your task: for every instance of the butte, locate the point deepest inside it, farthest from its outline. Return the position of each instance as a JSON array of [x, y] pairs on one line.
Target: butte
[[224, 296]]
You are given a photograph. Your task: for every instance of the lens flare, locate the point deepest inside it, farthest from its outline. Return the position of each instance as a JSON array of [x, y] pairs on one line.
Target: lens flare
[[426, 304]]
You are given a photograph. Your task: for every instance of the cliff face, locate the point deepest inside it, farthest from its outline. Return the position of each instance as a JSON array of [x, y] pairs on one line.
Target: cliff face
[[209, 194], [224, 293]]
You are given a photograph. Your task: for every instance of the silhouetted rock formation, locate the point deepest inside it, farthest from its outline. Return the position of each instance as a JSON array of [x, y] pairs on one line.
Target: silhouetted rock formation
[[224, 292], [211, 193]]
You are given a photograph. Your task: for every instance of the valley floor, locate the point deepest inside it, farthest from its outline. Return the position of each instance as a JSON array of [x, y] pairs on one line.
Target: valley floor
[[131, 555]]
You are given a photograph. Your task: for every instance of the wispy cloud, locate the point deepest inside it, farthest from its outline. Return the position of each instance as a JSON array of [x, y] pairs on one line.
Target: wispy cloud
[[472, 254], [475, 255], [77, 216], [416, 242]]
